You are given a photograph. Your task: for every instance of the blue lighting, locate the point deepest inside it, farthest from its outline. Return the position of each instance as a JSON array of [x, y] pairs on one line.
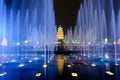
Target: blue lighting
[[21, 65], [102, 59]]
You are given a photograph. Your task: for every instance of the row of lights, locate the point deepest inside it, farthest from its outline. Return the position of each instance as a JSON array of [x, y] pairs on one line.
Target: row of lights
[[106, 41], [93, 64], [37, 42], [4, 43]]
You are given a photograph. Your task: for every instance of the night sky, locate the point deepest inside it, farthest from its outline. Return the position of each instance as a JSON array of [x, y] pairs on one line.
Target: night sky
[[66, 12]]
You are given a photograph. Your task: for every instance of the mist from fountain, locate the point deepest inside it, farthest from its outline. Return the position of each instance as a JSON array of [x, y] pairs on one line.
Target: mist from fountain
[[29, 26], [97, 28], [34, 24]]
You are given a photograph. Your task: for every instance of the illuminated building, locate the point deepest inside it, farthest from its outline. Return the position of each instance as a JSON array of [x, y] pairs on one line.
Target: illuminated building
[[60, 34]]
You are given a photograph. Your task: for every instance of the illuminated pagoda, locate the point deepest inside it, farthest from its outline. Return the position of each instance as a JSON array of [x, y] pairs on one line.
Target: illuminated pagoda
[[60, 33], [60, 37]]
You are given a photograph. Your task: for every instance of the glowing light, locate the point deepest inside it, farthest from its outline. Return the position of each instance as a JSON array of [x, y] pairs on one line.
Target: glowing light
[[102, 59], [13, 60], [42, 55], [88, 56], [4, 42], [116, 64], [69, 66], [109, 73], [106, 40], [4, 73], [21, 65], [114, 42], [106, 56], [84, 54], [60, 34], [75, 40], [36, 58], [18, 43], [38, 74], [45, 65], [37, 42], [74, 74], [60, 64], [83, 42], [84, 63], [65, 58], [93, 64], [26, 41], [118, 59], [0, 64], [89, 43], [119, 41], [30, 61], [48, 61]]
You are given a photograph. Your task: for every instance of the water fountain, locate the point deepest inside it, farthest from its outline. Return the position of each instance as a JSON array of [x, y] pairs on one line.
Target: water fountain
[[27, 28], [98, 25], [28, 23], [97, 31]]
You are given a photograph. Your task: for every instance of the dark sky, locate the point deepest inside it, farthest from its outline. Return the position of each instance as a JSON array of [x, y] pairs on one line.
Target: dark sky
[[66, 12]]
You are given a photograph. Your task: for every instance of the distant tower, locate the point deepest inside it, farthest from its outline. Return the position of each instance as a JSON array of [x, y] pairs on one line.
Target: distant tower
[[60, 34]]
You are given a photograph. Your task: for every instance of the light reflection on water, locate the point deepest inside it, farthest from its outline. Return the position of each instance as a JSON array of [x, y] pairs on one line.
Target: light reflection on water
[[60, 64]]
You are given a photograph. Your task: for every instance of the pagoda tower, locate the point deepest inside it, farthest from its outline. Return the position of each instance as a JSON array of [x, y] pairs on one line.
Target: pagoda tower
[[60, 33]]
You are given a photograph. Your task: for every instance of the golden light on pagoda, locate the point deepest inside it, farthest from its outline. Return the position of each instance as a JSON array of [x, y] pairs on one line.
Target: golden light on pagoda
[[60, 34]]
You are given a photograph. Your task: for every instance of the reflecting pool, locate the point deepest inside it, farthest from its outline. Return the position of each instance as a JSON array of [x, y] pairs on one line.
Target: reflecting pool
[[72, 66]]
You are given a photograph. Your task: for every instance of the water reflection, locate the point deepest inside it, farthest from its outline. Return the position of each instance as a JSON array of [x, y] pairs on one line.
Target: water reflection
[[107, 66], [61, 67], [60, 64]]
